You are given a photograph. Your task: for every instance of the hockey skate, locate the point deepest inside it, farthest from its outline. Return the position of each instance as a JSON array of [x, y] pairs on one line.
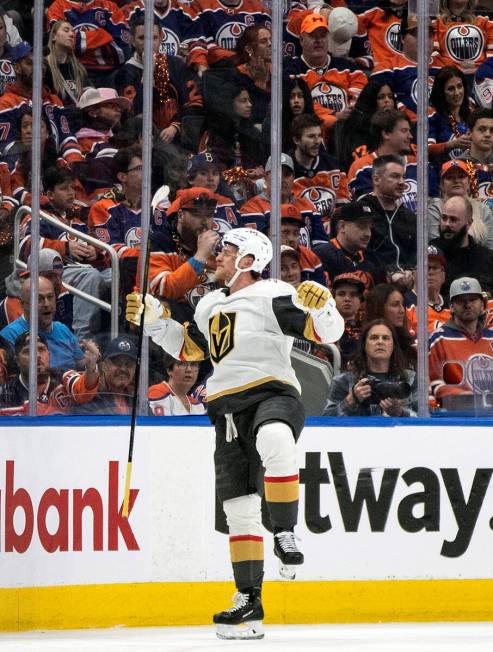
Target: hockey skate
[[287, 552], [244, 619]]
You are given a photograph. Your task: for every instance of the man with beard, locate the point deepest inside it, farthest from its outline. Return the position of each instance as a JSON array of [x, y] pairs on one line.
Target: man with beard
[[107, 386], [463, 255], [102, 110], [462, 346], [181, 267]]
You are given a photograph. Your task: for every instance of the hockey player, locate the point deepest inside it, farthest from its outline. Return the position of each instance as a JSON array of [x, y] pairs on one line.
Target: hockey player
[[247, 328]]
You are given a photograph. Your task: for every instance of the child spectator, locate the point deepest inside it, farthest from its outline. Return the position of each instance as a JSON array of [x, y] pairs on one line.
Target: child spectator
[[479, 157], [348, 290]]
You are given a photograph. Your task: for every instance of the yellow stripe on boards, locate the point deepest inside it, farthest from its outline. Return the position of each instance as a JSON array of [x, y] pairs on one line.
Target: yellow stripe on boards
[[186, 603]]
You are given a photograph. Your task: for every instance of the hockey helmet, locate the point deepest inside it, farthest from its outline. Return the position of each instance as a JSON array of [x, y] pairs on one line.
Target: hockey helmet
[[250, 242]]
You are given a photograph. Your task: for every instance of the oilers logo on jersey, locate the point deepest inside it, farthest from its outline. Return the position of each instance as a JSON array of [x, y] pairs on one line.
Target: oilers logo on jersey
[[228, 34], [393, 37], [221, 335], [324, 199], [133, 237], [464, 42], [329, 96], [170, 44]]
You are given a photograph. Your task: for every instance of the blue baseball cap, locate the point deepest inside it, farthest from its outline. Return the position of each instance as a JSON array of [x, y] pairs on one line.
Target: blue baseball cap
[[201, 161], [20, 51]]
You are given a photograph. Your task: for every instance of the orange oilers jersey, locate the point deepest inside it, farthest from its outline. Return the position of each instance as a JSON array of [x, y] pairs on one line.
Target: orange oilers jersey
[[457, 43], [382, 29], [458, 361], [437, 316]]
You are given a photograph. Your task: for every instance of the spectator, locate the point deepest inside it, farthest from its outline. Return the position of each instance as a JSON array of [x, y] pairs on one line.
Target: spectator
[[479, 157], [348, 290], [255, 212], [460, 37], [347, 251], [381, 24], [204, 171], [173, 396], [463, 255], [176, 95], [438, 312], [462, 346], [291, 221], [181, 263], [386, 301], [391, 133], [50, 266], [85, 267], [296, 100], [65, 75], [351, 135], [7, 73], [400, 71], [456, 182], [318, 176], [101, 35], [102, 110], [334, 82], [448, 126], [109, 389], [65, 350], [17, 100], [14, 395], [393, 237], [290, 265], [379, 383], [216, 27]]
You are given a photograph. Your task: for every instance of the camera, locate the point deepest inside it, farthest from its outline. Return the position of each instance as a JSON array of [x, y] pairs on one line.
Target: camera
[[381, 389]]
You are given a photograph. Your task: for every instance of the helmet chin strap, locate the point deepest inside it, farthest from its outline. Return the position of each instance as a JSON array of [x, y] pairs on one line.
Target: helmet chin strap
[[239, 270]]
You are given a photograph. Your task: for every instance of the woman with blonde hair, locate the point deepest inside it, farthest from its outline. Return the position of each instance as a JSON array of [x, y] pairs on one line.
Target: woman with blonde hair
[[65, 75]]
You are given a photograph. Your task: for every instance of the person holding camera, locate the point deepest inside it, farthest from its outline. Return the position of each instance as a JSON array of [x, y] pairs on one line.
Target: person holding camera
[[378, 383]]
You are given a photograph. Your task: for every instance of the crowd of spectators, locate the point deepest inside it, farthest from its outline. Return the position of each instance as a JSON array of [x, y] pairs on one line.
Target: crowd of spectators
[[348, 189]]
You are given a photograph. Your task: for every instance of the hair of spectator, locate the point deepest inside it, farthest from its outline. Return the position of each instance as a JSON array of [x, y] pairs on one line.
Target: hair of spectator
[[124, 156], [138, 20], [287, 86], [468, 11], [375, 309], [384, 122], [359, 363], [381, 162], [56, 175], [247, 39], [480, 114], [79, 73], [302, 122], [23, 339], [437, 96]]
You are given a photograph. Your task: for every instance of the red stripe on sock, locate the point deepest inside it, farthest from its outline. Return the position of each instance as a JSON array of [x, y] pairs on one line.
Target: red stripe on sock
[[287, 478], [245, 537]]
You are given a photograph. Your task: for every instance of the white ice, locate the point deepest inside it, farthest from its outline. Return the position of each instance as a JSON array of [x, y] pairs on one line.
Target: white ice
[[432, 637]]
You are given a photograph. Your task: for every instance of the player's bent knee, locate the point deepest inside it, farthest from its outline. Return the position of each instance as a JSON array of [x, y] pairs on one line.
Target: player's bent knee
[[277, 449], [244, 515]]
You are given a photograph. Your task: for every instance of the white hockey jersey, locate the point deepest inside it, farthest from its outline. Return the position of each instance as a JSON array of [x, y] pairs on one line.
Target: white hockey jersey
[[248, 335]]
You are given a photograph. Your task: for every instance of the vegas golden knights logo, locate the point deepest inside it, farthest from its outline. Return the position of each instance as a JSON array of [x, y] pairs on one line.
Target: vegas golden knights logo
[[221, 335]]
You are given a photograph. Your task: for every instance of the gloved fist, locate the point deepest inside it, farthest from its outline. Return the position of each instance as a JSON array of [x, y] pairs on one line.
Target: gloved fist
[[312, 295], [153, 309]]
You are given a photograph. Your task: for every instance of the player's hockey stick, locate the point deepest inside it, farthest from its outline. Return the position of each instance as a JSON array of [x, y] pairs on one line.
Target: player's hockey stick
[[160, 196]]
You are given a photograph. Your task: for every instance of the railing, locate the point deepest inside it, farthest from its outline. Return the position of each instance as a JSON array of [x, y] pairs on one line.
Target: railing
[[112, 307]]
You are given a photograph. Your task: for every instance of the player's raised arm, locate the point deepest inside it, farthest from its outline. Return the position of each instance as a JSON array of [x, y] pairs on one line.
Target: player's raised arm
[[309, 313], [182, 341]]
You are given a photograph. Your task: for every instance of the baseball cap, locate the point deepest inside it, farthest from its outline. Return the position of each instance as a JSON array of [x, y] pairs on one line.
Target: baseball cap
[[286, 250], [191, 198], [122, 345], [94, 96], [343, 25], [20, 51], [434, 253], [49, 261], [290, 212], [349, 278], [464, 285], [201, 161], [355, 211], [286, 160], [456, 164], [312, 22]]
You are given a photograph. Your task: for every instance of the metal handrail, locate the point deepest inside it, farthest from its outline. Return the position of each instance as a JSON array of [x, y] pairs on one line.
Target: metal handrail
[[115, 270]]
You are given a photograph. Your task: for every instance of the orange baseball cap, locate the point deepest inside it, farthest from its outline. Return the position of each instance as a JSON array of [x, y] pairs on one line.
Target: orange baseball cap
[[450, 165], [290, 212], [193, 198], [312, 22]]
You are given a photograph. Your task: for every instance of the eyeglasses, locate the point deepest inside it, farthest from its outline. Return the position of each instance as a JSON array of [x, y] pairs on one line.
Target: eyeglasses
[[136, 168]]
